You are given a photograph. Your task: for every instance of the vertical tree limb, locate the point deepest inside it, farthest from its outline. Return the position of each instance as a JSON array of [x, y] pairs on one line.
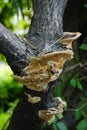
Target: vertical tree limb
[[46, 28]]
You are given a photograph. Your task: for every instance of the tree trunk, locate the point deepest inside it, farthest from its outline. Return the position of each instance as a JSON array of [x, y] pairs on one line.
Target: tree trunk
[[45, 29]]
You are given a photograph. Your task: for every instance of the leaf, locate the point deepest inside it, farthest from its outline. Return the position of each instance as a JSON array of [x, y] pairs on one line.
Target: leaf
[[59, 116], [84, 46], [2, 58], [55, 120], [12, 105], [79, 85], [54, 127], [61, 126], [58, 90], [3, 118], [78, 115], [82, 125], [73, 82]]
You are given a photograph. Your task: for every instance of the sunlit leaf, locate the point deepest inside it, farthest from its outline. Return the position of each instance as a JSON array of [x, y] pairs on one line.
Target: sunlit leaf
[[3, 118], [73, 82]]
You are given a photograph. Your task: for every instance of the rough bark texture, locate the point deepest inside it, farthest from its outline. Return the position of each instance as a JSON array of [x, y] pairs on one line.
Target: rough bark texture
[[46, 28], [47, 22], [13, 49]]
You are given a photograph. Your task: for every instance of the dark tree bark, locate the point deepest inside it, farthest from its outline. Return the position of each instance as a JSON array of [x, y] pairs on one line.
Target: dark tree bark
[[46, 28]]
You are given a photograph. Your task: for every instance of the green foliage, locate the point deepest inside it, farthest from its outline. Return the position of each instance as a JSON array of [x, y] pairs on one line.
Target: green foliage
[[61, 126], [16, 15], [82, 125], [4, 118], [78, 114], [10, 92], [81, 109], [9, 89], [57, 124], [54, 127], [58, 89], [17, 4], [84, 46], [74, 82], [12, 105], [2, 58]]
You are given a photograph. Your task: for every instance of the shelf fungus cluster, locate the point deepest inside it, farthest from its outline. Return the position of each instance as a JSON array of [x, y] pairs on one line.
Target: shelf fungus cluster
[[49, 114], [44, 69]]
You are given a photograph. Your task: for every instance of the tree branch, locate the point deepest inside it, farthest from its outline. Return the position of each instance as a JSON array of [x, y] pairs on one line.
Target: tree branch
[[46, 28], [13, 49], [47, 22]]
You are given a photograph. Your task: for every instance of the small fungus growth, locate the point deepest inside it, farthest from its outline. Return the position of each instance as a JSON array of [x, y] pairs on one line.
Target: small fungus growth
[[68, 38], [34, 99], [49, 114]]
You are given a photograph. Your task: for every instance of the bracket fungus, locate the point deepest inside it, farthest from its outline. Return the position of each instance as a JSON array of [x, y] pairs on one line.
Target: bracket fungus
[[34, 99], [68, 38], [49, 114], [44, 69]]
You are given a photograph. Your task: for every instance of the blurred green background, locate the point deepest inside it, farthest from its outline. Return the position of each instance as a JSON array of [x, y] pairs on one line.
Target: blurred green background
[[16, 16]]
